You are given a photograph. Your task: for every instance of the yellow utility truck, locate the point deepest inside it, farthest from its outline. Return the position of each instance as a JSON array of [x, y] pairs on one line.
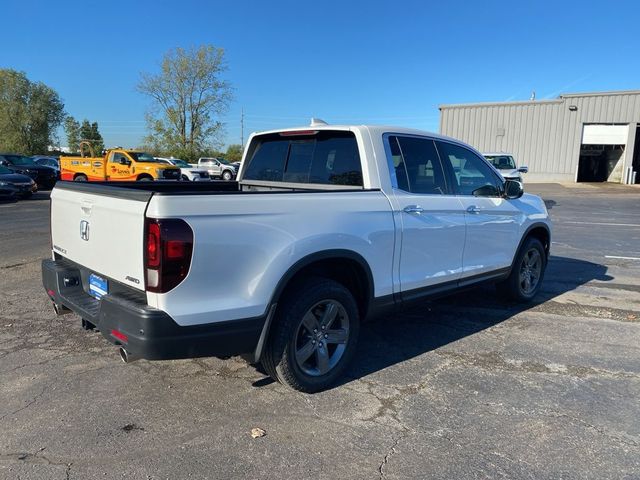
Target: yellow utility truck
[[117, 165]]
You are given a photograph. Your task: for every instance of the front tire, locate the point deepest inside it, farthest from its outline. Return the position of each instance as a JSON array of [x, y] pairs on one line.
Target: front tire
[[227, 175], [80, 178], [145, 178], [527, 272], [314, 336]]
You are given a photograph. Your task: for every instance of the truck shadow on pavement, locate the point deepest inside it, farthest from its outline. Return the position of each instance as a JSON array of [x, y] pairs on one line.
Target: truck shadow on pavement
[[433, 324]]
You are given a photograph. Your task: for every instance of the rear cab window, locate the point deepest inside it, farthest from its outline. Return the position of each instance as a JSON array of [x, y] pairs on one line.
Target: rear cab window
[[416, 165], [324, 157]]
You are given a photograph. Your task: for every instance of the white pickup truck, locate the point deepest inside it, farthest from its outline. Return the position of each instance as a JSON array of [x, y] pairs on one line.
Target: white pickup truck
[[325, 227]]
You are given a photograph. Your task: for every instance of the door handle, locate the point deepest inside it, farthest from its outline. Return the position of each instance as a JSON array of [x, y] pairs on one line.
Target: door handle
[[414, 209], [473, 209]]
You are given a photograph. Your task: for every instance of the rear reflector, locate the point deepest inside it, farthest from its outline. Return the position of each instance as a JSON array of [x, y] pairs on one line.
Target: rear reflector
[[119, 335]]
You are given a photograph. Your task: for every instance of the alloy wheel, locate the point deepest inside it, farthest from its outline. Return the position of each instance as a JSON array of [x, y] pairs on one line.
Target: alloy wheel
[[321, 338], [530, 271]]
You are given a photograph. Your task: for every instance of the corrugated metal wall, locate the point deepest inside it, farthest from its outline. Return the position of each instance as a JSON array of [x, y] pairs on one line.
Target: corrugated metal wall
[[544, 135]]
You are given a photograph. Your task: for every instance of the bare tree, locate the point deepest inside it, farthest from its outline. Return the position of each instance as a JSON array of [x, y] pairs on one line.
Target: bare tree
[[189, 96]]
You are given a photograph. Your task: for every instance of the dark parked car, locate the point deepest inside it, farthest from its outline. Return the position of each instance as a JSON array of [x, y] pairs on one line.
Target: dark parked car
[[45, 177], [25, 186], [7, 191], [52, 162]]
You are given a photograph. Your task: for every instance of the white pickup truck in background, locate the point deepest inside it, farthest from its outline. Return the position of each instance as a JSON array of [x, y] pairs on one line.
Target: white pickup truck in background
[[506, 165], [218, 168], [326, 226]]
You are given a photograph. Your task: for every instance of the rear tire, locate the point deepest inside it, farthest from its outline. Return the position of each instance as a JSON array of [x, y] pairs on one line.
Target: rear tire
[[80, 178], [314, 335], [527, 272]]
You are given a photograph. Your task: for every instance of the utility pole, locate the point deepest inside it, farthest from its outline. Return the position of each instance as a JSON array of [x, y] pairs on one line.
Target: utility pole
[[242, 127]]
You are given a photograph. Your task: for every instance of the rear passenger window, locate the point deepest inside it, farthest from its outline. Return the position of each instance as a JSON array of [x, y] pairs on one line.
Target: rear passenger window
[[417, 166], [472, 174], [327, 157]]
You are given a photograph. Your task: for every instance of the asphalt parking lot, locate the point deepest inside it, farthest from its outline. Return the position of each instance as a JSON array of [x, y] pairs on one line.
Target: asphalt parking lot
[[464, 387]]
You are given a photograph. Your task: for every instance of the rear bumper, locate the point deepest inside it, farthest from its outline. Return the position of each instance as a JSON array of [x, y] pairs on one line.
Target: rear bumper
[[125, 319]]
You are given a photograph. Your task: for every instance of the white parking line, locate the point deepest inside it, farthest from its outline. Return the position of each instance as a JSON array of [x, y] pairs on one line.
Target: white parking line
[[622, 258], [637, 225]]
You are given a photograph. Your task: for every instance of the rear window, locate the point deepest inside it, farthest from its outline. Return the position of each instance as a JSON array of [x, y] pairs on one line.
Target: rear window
[[326, 157]]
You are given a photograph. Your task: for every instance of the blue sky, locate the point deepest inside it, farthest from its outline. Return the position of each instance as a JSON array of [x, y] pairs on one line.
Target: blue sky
[[360, 61]]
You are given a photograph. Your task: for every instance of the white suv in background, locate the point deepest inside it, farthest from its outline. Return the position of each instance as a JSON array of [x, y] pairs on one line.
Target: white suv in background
[[506, 165]]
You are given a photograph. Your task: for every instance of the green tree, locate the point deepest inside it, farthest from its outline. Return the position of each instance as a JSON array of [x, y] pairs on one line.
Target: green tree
[[30, 113], [72, 130], [89, 132], [188, 96], [234, 153]]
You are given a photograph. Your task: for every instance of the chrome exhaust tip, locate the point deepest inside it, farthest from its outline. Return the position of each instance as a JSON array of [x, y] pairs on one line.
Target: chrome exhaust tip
[[125, 356]]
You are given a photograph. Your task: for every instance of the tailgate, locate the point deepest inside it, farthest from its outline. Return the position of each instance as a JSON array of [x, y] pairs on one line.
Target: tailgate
[[101, 228]]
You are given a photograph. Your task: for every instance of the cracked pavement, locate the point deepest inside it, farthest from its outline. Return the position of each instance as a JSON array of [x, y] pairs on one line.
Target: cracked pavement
[[468, 386]]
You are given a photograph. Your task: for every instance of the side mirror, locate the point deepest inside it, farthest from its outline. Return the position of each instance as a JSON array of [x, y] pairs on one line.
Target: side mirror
[[513, 189], [523, 169]]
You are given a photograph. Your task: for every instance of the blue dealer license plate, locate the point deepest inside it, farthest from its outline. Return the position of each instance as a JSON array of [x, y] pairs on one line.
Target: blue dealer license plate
[[98, 286]]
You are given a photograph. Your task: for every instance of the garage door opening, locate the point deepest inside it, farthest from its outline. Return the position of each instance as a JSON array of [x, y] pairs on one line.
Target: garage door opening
[[600, 163], [636, 156], [602, 153]]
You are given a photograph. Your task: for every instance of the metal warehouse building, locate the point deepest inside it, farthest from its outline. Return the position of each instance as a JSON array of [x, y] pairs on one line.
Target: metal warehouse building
[[581, 137]]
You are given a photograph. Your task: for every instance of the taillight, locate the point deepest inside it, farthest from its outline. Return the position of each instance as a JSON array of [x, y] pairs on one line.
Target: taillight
[[153, 245], [167, 253]]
